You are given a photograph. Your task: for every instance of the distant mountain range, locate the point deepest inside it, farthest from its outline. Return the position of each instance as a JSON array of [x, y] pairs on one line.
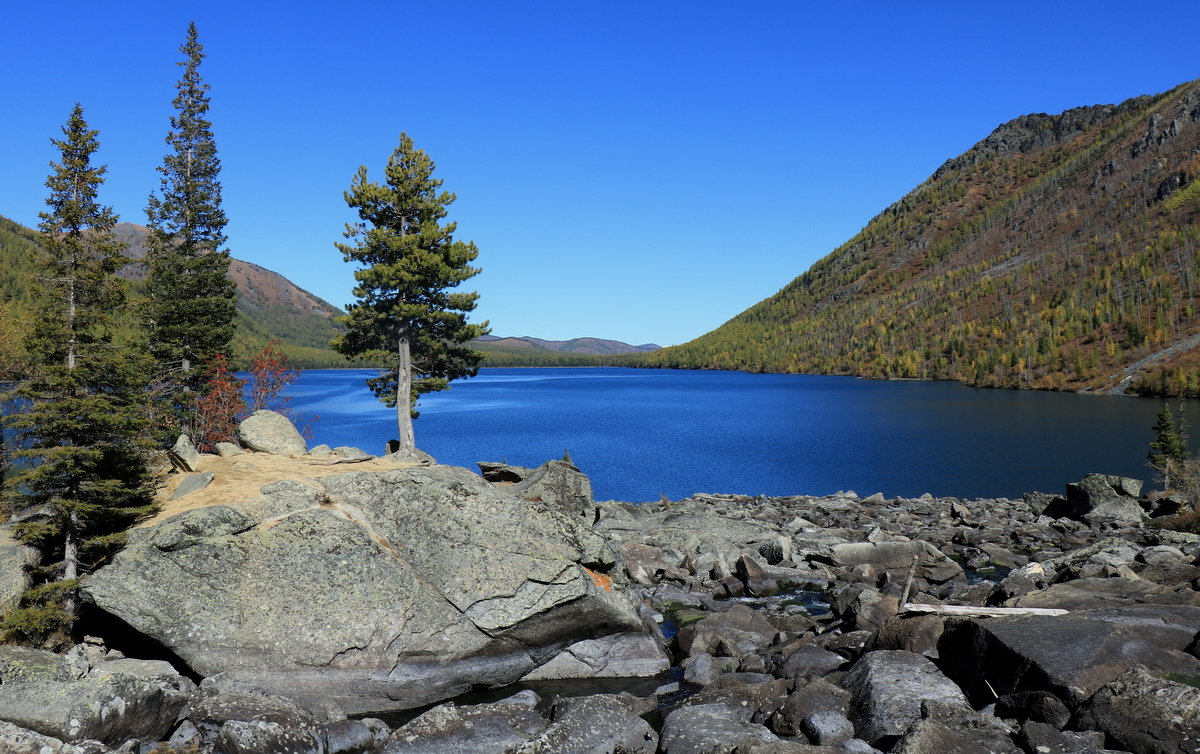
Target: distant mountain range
[[590, 346], [1061, 252]]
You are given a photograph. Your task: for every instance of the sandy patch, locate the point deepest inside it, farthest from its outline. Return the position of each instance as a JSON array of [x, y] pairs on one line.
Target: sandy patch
[[240, 478]]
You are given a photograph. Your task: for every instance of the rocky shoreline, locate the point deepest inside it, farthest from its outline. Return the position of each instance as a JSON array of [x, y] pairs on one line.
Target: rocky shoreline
[[302, 618]]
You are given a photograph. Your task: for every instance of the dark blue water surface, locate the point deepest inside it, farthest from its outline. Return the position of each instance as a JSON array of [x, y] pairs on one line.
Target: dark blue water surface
[[641, 433]]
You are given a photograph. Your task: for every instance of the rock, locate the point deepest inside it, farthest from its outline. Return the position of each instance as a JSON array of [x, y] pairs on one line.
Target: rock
[[628, 655], [932, 564], [981, 728], [429, 582], [708, 728], [600, 724], [348, 737], [826, 728], [702, 668], [931, 737], [754, 697], [752, 573], [16, 558], [1100, 498], [479, 729], [912, 633], [1037, 706], [271, 432], [643, 564], [1041, 502], [816, 698], [561, 485], [24, 664], [886, 691], [192, 483], [262, 737], [349, 453], [184, 455], [228, 449], [1046, 739], [503, 473], [1142, 713], [111, 709], [864, 608], [17, 740], [1070, 656], [738, 631], [809, 661]]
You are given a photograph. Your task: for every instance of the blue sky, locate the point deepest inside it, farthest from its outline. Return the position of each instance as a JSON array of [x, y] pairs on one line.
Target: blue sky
[[633, 170]]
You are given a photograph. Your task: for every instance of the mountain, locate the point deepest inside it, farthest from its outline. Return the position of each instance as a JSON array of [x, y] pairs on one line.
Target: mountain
[[1060, 252], [270, 307], [529, 351]]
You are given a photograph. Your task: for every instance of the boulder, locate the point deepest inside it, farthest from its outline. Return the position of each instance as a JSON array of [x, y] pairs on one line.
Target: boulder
[[561, 485], [600, 724], [184, 455], [819, 699], [738, 631], [1142, 713], [271, 432], [706, 728], [24, 664], [229, 449], [408, 586], [932, 564], [886, 691], [111, 709], [479, 729], [192, 483], [503, 473], [1100, 498], [262, 737], [17, 740], [931, 737]]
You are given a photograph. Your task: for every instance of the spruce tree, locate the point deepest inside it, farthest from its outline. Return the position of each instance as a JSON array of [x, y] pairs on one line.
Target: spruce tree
[[1169, 448], [191, 303], [407, 314], [81, 403]]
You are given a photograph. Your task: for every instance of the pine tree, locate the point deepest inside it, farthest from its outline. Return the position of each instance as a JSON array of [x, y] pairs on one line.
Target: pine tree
[[407, 314], [1169, 448], [81, 413], [191, 303]]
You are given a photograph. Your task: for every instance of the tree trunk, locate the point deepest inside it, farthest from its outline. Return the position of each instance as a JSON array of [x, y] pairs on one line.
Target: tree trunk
[[71, 561], [408, 444]]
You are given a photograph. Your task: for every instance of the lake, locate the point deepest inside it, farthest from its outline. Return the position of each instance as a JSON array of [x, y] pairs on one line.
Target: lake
[[641, 433]]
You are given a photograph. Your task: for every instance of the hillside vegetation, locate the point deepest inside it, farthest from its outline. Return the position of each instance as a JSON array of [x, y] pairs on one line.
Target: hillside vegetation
[[269, 306], [1058, 253]]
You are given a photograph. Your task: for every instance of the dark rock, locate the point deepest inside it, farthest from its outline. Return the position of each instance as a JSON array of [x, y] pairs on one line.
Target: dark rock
[[809, 661], [818, 697], [911, 633], [751, 573], [740, 630], [1046, 739], [1036, 706], [754, 697], [886, 690], [931, 737], [479, 729], [1041, 502], [986, 730], [348, 737], [708, 729], [1142, 713], [826, 728], [864, 608], [502, 473], [1100, 498]]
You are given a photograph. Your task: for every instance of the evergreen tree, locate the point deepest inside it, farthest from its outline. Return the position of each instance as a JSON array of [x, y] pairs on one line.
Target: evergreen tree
[[1169, 448], [81, 414], [407, 314], [191, 303]]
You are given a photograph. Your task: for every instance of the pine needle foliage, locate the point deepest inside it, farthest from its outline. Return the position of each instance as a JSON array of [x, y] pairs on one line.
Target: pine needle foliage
[[190, 307], [80, 411], [408, 314]]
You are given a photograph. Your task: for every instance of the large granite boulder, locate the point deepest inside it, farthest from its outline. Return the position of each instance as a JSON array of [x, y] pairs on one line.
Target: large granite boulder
[[560, 484], [15, 560], [271, 432], [887, 689], [1101, 498], [372, 591], [1142, 713]]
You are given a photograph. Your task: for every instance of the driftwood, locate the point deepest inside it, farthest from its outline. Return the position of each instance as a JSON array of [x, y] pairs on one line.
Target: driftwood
[[984, 612]]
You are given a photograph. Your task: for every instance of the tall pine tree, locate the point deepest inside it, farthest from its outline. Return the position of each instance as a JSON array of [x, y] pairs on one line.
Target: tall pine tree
[[407, 314], [81, 416], [191, 303], [1168, 449]]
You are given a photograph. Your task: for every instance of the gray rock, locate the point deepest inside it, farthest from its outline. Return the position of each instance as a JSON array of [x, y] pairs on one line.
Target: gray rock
[[479, 729], [1142, 713], [192, 483], [931, 737], [271, 432], [1100, 498], [349, 453], [1037, 706], [24, 664], [826, 728], [808, 661], [817, 697], [429, 580], [912, 633], [628, 655], [738, 631], [600, 724], [262, 737], [184, 454], [932, 564], [17, 740], [886, 690], [559, 484], [703, 669], [111, 709], [16, 558], [1043, 738], [503, 473], [348, 737], [708, 729], [228, 449]]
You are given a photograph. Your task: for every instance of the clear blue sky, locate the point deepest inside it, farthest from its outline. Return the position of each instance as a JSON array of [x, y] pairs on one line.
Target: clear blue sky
[[633, 170]]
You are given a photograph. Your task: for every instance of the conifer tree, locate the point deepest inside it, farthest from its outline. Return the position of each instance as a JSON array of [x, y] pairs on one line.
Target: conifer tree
[[191, 303], [1169, 448], [81, 415], [407, 314]]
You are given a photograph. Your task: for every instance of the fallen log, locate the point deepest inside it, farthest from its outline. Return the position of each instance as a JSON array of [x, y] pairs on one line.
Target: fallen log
[[982, 612]]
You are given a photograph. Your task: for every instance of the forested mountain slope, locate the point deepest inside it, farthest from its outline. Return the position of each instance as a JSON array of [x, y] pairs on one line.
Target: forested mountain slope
[[270, 307], [1060, 252]]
